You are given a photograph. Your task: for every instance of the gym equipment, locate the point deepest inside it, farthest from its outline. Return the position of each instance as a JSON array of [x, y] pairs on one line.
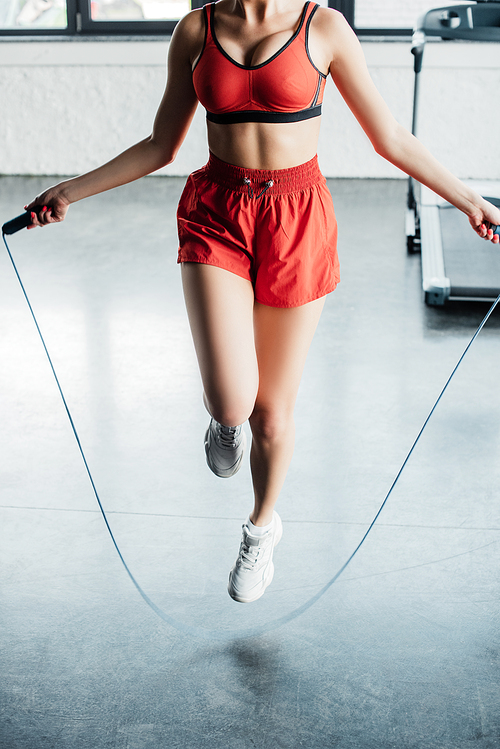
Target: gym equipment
[[261, 628], [19, 222], [456, 264]]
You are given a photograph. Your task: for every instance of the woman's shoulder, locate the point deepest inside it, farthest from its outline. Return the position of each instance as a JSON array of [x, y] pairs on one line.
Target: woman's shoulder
[[329, 19], [191, 27], [188, 38], [331, 33]]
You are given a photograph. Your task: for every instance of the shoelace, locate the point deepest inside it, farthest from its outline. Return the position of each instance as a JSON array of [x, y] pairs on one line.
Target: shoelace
[[227, 436], [249, 555]]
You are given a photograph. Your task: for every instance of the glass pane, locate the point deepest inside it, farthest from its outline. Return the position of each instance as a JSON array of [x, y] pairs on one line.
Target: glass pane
[[33, 14], [387, 14], [138, 10]]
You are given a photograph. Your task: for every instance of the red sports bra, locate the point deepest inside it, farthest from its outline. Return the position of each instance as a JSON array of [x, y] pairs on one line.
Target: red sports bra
[[287, 87]]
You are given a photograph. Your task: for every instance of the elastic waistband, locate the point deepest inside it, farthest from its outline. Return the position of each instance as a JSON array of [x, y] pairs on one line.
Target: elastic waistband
[[257, 181]]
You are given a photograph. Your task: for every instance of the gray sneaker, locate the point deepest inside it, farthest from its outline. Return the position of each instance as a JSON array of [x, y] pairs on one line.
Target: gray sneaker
[[224, 448], [254, 569]]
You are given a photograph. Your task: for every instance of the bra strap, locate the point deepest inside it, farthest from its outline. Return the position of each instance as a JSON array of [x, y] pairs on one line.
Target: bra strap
[[310, 11], [208, 10], [313, 7]]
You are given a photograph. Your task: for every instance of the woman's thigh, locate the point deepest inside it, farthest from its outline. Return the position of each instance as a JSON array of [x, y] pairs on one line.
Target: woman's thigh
[[282, 341], [220, 308]]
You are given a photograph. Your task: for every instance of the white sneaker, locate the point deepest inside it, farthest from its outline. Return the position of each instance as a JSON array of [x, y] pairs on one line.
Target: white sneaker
[[224, 448], [254, 569]]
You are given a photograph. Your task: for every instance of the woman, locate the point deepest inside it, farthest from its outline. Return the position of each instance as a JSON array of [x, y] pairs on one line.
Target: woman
[[257, 229]]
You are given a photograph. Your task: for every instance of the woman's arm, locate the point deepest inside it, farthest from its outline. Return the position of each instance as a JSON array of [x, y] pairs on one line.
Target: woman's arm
[[171, 124], [350, 74]]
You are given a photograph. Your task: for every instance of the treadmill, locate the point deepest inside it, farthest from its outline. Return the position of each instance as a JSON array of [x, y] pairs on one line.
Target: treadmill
[[456, 264]]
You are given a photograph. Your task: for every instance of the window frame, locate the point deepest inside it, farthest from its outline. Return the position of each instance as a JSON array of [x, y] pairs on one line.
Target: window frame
[[80, 25], [69, 30], [347, 8]]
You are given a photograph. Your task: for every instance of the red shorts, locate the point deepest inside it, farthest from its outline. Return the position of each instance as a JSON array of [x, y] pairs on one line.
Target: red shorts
[[275, 228]]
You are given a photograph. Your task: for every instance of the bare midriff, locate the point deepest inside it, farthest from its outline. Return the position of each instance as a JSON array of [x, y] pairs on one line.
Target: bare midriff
[[265, 145]]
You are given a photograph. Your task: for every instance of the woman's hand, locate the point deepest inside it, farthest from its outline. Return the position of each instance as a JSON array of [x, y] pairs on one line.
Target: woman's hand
[[486, 217], [51, 207]]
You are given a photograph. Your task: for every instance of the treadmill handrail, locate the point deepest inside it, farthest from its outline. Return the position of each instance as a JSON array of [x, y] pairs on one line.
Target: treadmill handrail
[[468, 21], [417, 49]]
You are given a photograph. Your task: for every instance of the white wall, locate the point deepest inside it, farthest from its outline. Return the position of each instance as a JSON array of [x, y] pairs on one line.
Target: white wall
[[67, 106]]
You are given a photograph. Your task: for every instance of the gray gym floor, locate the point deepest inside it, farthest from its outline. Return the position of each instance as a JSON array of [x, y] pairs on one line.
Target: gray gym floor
[[402, 651]]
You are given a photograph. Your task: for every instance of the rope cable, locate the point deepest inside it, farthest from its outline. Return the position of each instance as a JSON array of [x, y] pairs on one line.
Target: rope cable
[[223, 635]]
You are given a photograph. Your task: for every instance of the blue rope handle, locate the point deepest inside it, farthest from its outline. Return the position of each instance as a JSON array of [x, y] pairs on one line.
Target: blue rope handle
[[224, 635]]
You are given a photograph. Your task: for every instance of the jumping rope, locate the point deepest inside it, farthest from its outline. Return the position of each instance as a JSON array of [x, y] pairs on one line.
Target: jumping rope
[[213, 634]]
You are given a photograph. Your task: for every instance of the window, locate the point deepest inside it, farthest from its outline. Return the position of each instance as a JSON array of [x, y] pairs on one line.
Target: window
[[135, 16], [387, 14], [105, 17], [48, 17], [138, 10], [383, 17], [33, 14]]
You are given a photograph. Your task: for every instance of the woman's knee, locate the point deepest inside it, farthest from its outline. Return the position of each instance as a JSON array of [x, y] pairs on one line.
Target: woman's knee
[[271, 423], [230, 412]]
